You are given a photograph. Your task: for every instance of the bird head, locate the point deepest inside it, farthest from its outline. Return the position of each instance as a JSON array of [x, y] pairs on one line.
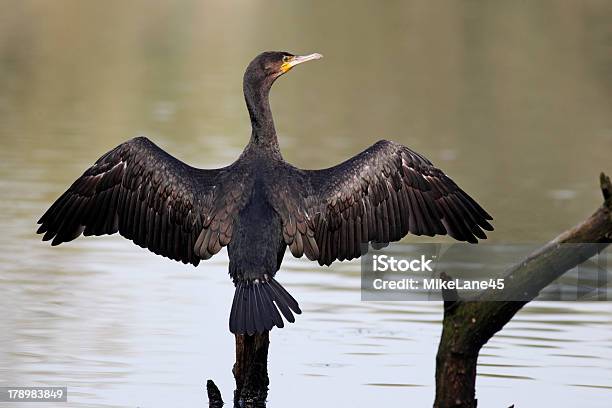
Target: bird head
[[269, 65]]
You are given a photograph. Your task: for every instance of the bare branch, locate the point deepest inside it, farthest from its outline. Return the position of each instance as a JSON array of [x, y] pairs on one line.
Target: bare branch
[[468, 325]]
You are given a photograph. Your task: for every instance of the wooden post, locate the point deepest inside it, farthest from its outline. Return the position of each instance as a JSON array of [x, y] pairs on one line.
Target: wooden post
[[251, 368], [250, 372]]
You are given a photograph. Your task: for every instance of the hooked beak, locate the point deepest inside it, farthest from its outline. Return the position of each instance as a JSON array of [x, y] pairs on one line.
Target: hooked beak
[[298, 59]]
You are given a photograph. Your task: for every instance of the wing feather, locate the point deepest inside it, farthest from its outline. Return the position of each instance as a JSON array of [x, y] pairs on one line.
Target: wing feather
[[151, 198], [380, 195]]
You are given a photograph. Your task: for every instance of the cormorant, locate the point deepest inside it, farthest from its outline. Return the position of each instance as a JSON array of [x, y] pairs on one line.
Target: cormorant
[[260, 205]]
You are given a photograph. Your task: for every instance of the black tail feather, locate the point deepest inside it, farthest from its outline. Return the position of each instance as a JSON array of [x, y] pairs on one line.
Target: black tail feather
[[261, 317], [289, 300], [256, 306], [275, 316], [234, 322]]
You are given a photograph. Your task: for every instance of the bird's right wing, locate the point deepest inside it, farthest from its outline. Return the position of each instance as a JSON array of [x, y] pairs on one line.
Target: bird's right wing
[[151, 198], [379, 195]]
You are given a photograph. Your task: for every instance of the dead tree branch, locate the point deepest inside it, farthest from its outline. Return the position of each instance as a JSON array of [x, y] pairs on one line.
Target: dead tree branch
[[468, 325]]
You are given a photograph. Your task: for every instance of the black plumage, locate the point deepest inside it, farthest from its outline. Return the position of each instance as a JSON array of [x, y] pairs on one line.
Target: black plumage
[[260, 205]]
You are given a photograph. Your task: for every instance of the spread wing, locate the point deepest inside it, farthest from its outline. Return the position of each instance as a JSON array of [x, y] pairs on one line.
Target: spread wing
[[151, 198], [380, 195]]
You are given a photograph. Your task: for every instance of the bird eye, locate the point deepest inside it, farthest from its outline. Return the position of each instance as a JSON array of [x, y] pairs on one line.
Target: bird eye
[[286, 58]]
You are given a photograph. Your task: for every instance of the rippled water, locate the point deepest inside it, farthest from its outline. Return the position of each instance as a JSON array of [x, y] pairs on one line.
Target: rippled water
[[512, 99]]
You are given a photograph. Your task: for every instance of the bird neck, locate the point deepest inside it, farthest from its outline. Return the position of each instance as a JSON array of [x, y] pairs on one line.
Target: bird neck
[[258, 103]]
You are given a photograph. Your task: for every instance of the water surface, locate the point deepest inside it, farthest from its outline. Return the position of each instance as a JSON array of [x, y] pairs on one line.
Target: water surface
[[513, 99]]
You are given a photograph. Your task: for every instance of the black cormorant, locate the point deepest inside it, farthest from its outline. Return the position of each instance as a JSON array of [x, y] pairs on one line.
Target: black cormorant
[[260, 205]]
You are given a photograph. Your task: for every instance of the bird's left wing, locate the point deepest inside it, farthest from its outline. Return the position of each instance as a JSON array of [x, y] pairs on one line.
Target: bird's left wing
[[379, 195], [148, 196]]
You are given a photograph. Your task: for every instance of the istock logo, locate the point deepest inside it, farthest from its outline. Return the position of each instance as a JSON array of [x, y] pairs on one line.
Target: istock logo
[[384, 263]]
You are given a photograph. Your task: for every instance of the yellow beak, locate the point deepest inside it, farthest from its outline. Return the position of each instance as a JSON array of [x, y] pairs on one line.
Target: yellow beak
[[298, 59]]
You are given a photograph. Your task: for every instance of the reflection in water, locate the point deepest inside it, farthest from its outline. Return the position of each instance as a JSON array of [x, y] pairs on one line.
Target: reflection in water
[[511, 98]]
